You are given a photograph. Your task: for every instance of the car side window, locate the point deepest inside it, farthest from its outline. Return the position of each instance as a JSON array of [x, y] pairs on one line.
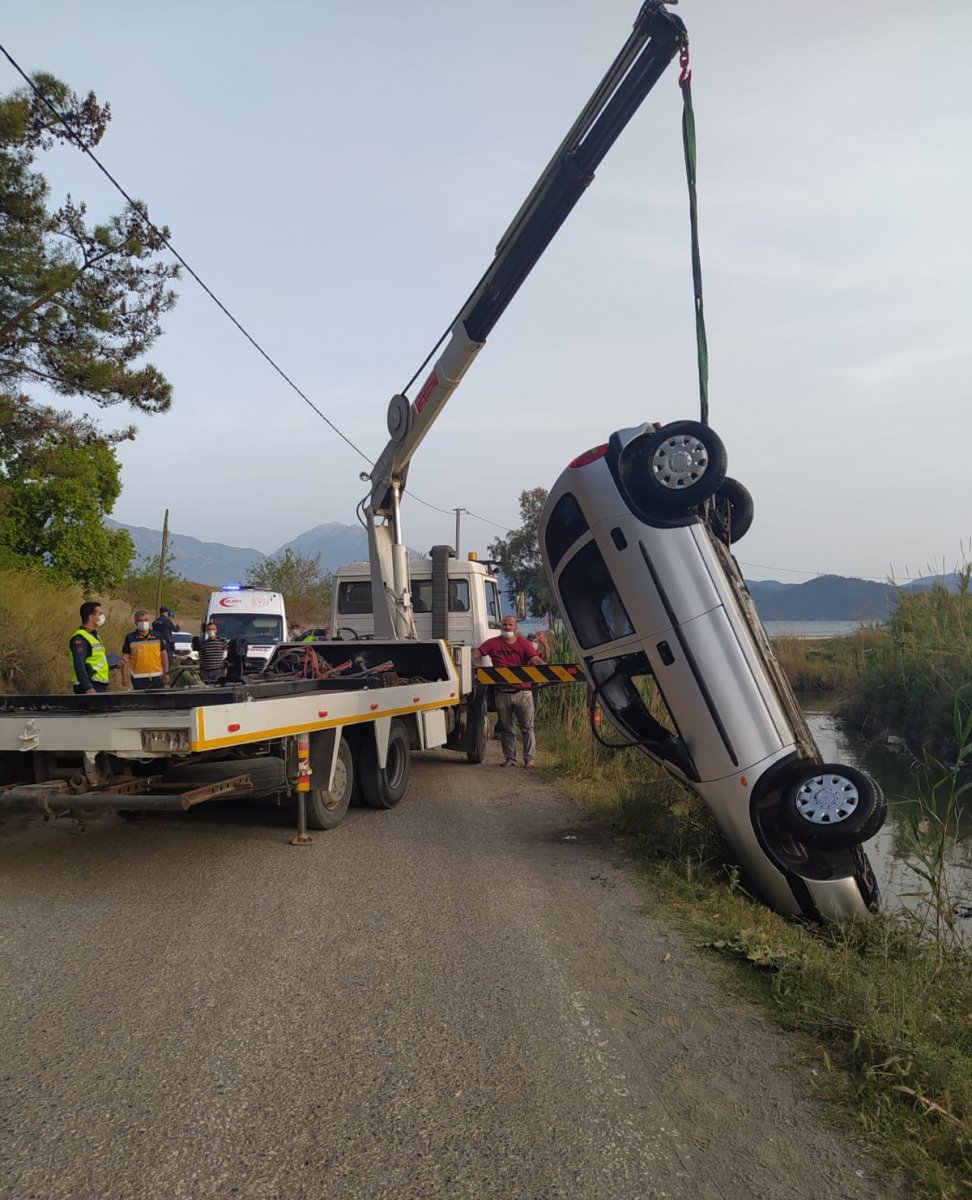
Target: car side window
[[591, 601], [565, 525]]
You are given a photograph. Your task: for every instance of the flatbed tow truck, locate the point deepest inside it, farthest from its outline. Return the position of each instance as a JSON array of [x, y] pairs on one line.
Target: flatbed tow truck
[[312, 732]]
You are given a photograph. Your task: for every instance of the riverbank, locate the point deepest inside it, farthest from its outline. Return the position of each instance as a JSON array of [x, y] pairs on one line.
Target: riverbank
[[889, 1009]]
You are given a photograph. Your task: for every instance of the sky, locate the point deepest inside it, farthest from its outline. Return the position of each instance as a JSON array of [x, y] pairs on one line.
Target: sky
[[339, 173]]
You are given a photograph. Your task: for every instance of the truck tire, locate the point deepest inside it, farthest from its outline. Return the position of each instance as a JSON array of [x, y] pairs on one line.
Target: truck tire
[[326, 809], [384, 787], [269, 775], [478, 728]]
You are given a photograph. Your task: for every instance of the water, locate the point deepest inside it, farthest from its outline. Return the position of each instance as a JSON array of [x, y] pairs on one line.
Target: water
[[811, 629], [899, 781]]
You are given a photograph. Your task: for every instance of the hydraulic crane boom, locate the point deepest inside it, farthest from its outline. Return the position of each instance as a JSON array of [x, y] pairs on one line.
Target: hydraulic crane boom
[[654, 41]]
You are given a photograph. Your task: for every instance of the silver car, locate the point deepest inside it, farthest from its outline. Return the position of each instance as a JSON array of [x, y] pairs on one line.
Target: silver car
[[635, 538]]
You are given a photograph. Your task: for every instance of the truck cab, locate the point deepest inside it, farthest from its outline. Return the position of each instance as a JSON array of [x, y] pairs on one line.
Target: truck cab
[[464, 608]]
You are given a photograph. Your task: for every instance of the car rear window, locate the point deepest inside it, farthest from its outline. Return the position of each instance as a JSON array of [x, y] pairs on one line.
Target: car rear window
[[565, 526], [591, 601]]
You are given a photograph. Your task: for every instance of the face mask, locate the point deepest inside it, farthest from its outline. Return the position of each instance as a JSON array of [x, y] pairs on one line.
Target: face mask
[[100, 619], [144, 626], [210, 633], [509, 634]]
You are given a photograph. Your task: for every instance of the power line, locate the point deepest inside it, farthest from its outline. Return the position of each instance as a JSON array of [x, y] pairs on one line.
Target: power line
[[209, 292], [175, 253], [252, 340]]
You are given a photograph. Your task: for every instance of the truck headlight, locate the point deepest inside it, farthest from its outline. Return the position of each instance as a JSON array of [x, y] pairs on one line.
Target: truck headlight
[[165, 741]]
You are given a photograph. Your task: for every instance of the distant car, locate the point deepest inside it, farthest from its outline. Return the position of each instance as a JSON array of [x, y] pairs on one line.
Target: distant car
[[635, 536], [183, 647]]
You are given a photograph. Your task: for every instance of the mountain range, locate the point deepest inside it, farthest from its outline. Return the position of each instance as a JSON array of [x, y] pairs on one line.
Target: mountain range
[[824, 598]]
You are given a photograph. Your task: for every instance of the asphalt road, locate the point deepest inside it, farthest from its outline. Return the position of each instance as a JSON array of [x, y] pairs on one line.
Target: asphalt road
[[462, 997]]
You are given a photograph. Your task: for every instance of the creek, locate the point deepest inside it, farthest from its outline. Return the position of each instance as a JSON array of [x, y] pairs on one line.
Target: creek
[[902, 781]]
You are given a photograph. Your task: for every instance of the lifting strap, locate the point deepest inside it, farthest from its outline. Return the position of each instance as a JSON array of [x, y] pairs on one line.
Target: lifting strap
[[688, 143]]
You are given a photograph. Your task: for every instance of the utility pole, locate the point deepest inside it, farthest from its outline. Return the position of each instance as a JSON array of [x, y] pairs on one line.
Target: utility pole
[[165, 546], [459, 512]]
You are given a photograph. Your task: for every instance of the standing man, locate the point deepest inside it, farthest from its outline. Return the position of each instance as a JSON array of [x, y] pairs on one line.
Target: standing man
[[89, 661], [211, 654], [145, 660], [165, 625], [511, 650]]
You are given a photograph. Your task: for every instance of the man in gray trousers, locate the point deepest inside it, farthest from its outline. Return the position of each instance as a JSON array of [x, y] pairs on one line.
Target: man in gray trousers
[[513, 699]]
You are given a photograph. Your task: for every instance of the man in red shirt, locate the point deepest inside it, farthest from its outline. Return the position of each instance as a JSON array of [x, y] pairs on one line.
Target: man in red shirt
[[513, 699]]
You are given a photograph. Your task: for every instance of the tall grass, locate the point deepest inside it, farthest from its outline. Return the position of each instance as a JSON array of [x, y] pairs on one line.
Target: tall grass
[[825, 664], [918, 671], [38, 614], [933, 828]]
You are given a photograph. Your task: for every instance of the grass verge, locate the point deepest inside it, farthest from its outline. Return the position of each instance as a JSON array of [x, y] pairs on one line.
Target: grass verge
[[889, 1007]]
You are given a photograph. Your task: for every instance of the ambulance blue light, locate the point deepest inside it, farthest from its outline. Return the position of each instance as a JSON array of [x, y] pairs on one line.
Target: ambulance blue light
[[231, 587]]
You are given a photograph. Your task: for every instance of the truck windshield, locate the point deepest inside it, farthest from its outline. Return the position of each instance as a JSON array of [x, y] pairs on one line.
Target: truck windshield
[[259, 629]]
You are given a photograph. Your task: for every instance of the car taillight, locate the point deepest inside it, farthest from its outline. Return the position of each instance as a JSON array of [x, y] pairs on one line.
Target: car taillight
[[589, 456]]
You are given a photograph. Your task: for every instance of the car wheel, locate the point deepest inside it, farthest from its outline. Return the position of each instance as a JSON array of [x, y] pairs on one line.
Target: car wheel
[[732, 511], [384, 787], [833, 805], [326, 809], [684, 464]]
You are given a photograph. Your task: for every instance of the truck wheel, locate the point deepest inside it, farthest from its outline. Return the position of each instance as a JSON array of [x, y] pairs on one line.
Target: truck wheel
[[267, 774], [384, 788], [325, 809], [479, 719]]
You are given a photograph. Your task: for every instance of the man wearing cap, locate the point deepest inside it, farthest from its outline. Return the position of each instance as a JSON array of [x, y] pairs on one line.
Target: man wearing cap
[[165, 625]]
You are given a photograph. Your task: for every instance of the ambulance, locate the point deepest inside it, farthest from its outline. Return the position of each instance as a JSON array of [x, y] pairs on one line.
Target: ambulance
[[256, 614]]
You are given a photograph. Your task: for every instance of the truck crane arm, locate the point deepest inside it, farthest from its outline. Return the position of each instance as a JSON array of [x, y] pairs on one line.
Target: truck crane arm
[[655, 39]]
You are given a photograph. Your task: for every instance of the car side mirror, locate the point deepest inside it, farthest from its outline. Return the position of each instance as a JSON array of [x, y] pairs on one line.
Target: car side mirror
[[196, 643]]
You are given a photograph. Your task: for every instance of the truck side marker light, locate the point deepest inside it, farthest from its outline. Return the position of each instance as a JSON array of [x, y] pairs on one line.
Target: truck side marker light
[[744, 781], [452, 695], [416, 699], [322, 712], [373, 707], [233, 728]]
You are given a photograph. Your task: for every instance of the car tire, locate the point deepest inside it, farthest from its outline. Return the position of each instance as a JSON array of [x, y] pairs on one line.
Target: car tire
[[683, 464], [327, 809], [831, 805], [383, 787], [732, 511]]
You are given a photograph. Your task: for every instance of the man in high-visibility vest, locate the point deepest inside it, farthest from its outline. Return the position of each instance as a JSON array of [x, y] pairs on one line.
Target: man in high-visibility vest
[[89, 659]]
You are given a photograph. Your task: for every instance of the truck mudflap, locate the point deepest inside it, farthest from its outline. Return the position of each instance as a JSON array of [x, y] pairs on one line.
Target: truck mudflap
[[57, 797]]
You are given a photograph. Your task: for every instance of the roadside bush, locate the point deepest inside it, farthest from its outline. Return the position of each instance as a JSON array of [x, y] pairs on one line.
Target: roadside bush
[[918, 673]]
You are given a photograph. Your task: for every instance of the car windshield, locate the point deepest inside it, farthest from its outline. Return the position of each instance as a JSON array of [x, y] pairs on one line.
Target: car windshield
[[259, 629]]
